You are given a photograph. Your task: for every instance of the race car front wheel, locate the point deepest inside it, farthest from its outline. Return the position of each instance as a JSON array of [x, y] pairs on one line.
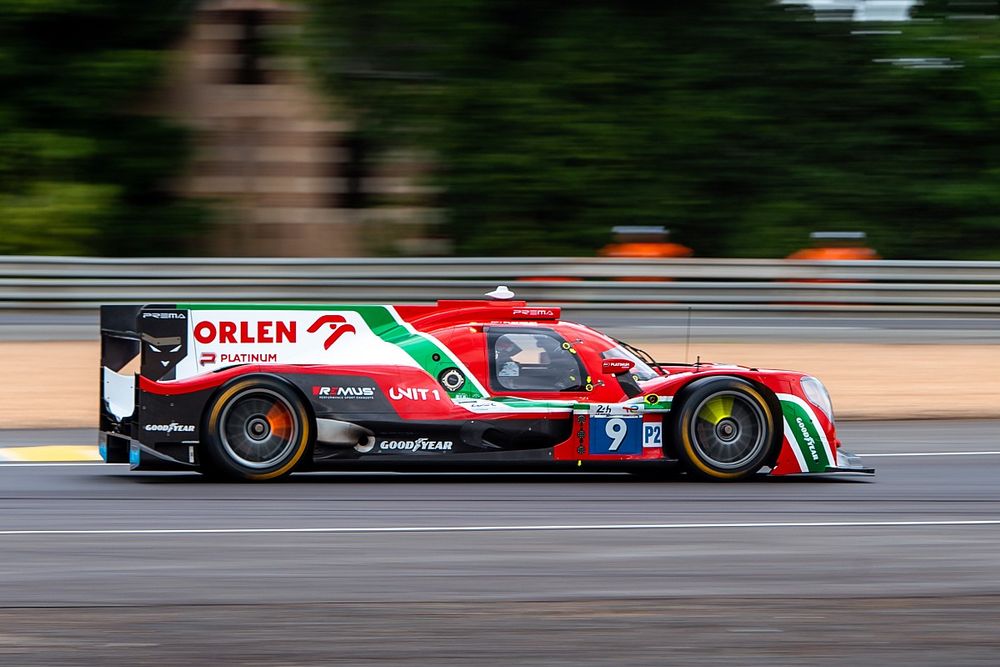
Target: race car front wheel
[[724, 429], [257, 429]]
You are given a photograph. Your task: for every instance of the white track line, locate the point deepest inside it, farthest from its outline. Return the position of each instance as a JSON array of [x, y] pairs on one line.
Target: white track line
[[498, 529]]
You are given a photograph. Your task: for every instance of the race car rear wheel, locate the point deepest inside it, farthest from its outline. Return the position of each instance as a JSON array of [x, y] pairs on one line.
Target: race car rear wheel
[[724, 428], [257, 429]]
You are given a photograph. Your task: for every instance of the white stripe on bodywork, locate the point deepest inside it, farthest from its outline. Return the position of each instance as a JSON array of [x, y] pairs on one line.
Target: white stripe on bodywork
[[794, 444], [831, 459], [486, 406]]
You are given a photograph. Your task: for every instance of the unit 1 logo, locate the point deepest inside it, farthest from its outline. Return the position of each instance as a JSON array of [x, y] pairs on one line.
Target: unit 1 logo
[[413, 393], [344, 392]]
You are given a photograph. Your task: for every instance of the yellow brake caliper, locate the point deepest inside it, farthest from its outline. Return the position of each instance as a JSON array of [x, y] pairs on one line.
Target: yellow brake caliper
[[717, 409]]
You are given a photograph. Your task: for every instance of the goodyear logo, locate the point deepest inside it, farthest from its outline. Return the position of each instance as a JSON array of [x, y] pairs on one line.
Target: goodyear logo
[[809, 440]]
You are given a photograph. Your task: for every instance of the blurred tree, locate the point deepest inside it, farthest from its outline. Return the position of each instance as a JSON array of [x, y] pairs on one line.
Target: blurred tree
[[82, 169], [741, 126]]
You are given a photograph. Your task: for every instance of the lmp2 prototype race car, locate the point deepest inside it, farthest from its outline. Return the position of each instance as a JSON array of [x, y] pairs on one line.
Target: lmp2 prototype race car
[[255, 392]]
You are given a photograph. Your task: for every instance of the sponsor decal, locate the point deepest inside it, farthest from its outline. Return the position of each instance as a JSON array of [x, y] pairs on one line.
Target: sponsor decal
[[238, 358], [616, 366], [615, 409], [235, 333], [165, 315], [413, 394], [418, 445], [344, 392], [652, 435], [483, 405], [172, 427], [338, 327], [229, 332], [534, 312], [807, 438]]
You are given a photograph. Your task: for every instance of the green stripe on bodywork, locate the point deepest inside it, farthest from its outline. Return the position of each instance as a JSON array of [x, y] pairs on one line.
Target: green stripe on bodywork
[[515, 402], [654, 402], [807, 436], [378, 318]]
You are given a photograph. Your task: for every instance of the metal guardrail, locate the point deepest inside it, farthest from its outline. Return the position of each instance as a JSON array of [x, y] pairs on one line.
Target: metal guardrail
[[927, 287]]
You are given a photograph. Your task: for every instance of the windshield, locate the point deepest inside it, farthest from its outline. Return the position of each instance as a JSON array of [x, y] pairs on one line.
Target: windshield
[[641, 370]]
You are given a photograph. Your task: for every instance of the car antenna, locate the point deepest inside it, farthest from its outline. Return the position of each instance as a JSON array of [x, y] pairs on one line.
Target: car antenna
[[501, 293], [687, 341]]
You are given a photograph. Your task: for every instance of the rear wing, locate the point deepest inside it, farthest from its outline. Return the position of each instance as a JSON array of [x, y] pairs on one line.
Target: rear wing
[[120, 347]]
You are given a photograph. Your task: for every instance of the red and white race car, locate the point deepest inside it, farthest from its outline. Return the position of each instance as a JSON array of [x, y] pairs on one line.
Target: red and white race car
[[256, 392]]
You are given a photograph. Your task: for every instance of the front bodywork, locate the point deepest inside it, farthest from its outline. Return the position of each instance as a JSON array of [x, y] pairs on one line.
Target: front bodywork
[[415, 385]]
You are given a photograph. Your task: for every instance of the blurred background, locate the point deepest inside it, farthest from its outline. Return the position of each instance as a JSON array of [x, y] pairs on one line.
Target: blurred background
[[496, 127]]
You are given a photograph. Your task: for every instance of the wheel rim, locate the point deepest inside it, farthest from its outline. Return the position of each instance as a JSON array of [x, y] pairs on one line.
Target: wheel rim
[[259, 429], [729, 430]]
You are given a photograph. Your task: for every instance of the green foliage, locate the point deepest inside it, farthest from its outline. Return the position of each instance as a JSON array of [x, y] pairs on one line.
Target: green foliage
[[53, 218], [80, 165], [742, 126]]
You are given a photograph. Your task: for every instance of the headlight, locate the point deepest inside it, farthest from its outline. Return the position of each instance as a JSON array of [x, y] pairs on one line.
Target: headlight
[[817, 395]]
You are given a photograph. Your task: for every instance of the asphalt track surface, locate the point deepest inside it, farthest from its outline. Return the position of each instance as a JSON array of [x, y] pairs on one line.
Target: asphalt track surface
[[102, 566]]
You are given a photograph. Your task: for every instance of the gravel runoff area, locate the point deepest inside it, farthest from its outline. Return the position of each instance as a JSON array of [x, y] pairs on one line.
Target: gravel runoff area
[[55, 384]]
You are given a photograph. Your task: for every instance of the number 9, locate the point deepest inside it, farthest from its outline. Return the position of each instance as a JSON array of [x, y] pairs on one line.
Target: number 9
[[616, 429]]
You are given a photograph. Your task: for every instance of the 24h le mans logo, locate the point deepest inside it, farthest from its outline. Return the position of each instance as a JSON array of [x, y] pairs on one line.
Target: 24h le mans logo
[[338, 327]]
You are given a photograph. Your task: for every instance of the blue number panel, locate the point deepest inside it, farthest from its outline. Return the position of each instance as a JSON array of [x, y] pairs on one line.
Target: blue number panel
[[616, 436]]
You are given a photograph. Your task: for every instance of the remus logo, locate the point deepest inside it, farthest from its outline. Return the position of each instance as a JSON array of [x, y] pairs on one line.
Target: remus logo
[[343, 392]]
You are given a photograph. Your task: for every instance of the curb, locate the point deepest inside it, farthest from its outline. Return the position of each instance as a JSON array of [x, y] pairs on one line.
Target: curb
[[50, 454]]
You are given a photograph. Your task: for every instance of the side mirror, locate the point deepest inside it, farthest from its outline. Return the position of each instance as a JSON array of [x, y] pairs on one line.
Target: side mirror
[[616, 366]]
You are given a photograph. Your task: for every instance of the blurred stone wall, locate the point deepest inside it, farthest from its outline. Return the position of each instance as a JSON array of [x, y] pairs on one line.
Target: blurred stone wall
[[283, 169]]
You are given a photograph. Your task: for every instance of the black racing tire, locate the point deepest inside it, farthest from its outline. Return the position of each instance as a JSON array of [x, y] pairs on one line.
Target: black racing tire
[[257, 428], [724, 428]]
